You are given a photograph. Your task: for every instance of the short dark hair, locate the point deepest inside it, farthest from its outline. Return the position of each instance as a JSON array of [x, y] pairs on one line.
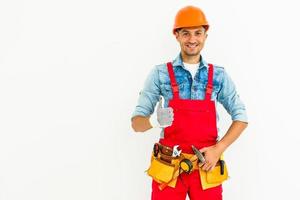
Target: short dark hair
[[177, 30], [205, 29]]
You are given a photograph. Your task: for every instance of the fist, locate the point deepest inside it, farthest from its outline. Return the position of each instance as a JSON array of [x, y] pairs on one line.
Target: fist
[[165, 116]]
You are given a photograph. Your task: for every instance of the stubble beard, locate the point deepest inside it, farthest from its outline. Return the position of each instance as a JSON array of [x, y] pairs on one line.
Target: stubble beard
[[192, 54]]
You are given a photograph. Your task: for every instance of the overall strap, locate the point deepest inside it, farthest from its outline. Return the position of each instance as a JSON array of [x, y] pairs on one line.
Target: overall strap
[[174, 85], [209, 86]]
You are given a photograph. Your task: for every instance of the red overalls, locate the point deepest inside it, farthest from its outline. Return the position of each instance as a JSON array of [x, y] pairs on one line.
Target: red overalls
[[194, 124]]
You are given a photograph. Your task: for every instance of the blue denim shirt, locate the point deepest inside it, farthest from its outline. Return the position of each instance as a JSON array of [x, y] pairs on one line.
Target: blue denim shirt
[[158, 83]]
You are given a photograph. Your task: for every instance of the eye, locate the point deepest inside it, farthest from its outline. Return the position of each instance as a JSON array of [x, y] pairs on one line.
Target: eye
[[199, 33]]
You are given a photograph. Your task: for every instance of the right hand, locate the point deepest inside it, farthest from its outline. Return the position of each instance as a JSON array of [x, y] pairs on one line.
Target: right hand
[[165, 116]]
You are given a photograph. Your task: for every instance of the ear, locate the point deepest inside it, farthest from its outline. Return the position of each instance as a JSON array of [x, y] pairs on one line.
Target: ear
[[176, 35], [205, 37]]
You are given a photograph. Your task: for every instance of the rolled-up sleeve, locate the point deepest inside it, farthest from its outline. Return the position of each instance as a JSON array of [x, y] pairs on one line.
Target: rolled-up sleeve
[[149, 95], [230, 99]]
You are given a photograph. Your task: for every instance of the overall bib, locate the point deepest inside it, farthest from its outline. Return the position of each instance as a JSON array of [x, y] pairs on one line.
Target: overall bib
[[194, 124]]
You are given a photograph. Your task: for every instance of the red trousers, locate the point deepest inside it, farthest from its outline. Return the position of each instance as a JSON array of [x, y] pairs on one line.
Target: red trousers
[[188, 184]]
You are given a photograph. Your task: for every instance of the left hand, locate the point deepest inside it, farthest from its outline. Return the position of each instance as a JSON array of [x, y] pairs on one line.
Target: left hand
[[212, 155]]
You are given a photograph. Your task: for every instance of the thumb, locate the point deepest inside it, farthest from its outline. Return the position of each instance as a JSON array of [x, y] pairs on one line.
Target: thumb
[[203, 150], [160, 102]]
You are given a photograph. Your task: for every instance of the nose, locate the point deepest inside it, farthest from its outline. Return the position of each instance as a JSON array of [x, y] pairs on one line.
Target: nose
[[192, 39]]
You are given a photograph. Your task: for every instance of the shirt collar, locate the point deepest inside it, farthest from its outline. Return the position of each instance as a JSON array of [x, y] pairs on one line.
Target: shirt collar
[[178, 62]]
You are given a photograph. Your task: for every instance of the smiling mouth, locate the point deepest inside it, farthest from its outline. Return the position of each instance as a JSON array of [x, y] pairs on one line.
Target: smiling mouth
[[192, 46]]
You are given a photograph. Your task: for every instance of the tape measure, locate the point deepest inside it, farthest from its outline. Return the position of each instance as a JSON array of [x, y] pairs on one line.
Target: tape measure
[[186, 165]]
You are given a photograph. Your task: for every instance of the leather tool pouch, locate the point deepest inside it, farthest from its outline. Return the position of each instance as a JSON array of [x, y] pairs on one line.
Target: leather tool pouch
[[215, 177], [218, 174], [160, 170]]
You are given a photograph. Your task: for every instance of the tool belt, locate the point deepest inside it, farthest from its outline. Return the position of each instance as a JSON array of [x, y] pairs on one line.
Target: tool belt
[[165, 168]]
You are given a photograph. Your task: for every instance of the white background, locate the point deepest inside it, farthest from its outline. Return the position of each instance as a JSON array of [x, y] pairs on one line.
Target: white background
[[70, 74]]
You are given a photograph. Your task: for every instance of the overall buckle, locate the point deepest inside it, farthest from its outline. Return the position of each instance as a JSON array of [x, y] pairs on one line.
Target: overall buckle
[[209, 88]]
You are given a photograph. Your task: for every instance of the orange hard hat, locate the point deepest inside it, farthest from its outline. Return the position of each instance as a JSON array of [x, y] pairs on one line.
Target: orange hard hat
[[190, 16]]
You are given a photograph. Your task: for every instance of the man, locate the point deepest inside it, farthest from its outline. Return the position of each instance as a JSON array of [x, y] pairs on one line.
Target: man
[[191, 88]]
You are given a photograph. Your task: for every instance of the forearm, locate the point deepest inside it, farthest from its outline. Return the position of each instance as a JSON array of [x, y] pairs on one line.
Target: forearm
[[140, 123], [234, 131]]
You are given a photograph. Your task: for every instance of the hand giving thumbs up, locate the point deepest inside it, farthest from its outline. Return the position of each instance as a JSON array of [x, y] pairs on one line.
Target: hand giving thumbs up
[[165, 116]]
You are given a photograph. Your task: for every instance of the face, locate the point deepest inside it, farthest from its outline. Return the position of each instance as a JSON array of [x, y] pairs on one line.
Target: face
[[191, 40]]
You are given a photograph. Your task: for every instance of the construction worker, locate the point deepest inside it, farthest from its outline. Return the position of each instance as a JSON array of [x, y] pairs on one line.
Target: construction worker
[[191, 88]]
